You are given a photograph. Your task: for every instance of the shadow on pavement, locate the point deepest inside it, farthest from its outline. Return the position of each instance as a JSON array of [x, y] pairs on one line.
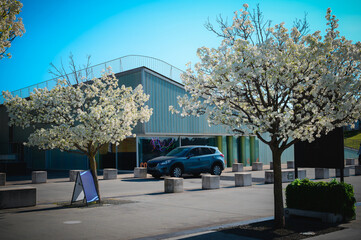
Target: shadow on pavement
[[142, 179]]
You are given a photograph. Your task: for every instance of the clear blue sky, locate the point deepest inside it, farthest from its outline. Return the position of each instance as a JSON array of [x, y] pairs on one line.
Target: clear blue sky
[[171, 30]]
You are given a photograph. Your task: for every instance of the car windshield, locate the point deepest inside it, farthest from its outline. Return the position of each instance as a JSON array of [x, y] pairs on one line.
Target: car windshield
[[178, 152]]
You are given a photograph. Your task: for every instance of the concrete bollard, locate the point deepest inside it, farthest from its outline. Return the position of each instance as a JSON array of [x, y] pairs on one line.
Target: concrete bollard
[[17, 197], [140, 172], [210, 181], [290, 164], [288, 175], [243, 179], [39, 176], [173, 185], [322, 173], [302, 173], [271, 165], [237, 167], [257, 166], [110, 173], [358, 170], [2, 179], [73, 174], [350, 161], [346, 172]]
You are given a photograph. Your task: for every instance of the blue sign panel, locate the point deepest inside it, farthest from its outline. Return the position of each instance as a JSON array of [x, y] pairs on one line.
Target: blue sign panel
[[85, 187], [90, 191]]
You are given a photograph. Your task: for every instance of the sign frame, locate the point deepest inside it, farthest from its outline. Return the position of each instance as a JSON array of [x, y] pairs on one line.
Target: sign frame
[[84, 183]]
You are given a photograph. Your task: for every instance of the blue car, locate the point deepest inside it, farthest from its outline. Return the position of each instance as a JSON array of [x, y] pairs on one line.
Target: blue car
[[187, 159]]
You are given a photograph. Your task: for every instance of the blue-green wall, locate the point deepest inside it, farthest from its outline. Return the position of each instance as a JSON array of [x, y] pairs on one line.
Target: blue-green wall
[[163, 93]]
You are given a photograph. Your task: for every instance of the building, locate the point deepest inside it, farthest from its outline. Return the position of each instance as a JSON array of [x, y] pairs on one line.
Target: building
[[161, 134]]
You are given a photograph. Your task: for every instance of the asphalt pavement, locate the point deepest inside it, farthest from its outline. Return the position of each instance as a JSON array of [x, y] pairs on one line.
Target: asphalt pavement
[[139, 209]]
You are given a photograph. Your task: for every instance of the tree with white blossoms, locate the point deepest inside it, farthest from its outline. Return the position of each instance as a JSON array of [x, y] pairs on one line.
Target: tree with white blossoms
[[293, 87], [11, 26], [80, 118]]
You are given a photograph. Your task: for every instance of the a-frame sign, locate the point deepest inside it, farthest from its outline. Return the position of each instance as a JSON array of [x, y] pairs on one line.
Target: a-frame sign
[[84, 188]]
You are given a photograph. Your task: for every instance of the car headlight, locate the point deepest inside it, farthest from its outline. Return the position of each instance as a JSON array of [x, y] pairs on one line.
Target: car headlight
[[165, 162]]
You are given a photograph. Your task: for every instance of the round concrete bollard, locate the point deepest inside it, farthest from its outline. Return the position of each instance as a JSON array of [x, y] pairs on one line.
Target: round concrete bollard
[[173, 185], [110, 173], [39, 176], [73, 174]]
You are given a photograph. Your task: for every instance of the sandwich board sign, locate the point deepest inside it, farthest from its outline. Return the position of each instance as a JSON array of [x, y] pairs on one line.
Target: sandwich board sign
[[84, 188]]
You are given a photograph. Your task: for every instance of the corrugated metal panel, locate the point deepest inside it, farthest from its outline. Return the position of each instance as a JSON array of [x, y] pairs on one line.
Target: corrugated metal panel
[[58, 160], [265, 153], [163, 94], [132, 79]]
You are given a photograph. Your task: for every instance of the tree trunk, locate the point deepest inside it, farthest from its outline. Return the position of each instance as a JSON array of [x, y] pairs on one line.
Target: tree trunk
[[277, 189], [93, 168]]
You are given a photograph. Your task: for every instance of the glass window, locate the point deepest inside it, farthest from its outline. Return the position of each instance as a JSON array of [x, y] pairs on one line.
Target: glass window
[[212, 150], [195, 152], [206, 151], [178, 152], [206, 141], [152, 147]]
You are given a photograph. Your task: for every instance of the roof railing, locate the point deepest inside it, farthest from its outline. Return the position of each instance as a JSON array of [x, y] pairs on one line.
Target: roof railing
[[121, 64]]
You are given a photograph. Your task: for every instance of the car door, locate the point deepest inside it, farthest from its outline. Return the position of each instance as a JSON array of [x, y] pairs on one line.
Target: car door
[[192, 162], [205, 159]]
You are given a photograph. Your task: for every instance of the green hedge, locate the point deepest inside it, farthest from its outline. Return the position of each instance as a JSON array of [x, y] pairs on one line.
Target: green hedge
[[334, 197]]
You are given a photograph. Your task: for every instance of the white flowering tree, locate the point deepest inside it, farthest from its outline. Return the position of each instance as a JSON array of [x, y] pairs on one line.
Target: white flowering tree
[[80, 118], [11, 26], [291, 87]]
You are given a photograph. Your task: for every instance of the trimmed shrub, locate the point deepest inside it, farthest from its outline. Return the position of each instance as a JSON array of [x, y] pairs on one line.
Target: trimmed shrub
[[334, 197]]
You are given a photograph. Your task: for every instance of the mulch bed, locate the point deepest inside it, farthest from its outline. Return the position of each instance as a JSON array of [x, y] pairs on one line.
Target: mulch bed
[[296, 228]]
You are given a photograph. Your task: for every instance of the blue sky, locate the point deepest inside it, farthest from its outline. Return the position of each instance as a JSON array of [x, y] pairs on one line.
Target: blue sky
[[168, 30]]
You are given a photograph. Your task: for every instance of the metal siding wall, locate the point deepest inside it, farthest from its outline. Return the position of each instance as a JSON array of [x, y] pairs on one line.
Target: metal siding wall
[[132, 79], [129, 80], [265, 153], [162, 95], [66, 161]]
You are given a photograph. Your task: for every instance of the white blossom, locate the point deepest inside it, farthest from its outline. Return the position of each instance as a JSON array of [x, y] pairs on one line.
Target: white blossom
[[289, 88], [11, 26], [80, 118]]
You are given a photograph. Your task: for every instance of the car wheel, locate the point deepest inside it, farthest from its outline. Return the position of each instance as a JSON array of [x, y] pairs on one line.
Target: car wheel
[[216, 169], [157, 176], [176, 171]]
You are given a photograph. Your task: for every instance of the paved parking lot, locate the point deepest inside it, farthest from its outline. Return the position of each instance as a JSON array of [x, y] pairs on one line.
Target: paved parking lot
[[141, 209]]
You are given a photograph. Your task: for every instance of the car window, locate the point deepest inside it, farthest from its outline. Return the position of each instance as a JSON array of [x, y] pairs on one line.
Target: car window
[[178, 152], [206, 151], [194, 152], [212, 150]]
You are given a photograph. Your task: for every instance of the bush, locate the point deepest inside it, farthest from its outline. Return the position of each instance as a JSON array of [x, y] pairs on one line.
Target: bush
[[334, 197]]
